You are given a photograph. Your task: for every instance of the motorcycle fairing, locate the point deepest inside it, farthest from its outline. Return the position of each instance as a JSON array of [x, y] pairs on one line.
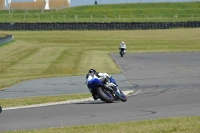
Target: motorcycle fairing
[[93, 83]]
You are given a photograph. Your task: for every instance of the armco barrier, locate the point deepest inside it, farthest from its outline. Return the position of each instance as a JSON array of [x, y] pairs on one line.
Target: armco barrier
[[98, 26], [6, 39]]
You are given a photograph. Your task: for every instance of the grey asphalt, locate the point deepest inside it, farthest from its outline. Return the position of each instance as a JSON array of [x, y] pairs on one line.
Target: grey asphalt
[[55, 86], [167, 83]]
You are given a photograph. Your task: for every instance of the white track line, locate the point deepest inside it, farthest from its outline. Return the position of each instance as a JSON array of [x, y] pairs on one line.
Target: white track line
[[63, 102]]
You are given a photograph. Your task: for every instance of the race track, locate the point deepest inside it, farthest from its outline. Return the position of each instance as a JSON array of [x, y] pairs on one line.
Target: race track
[[167, 85]]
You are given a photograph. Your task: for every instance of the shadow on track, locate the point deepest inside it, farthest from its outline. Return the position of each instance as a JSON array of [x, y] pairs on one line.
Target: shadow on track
[[96, 102]]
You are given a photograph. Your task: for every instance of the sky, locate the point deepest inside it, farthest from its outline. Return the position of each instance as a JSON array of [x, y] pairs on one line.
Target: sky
[[91, 2]]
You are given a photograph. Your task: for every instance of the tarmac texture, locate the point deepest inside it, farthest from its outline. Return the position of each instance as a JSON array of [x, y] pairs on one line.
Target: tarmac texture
[[55, 86]]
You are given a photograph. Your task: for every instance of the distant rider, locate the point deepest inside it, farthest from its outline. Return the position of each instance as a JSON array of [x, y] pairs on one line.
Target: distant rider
[[122, 46], [104, 77]]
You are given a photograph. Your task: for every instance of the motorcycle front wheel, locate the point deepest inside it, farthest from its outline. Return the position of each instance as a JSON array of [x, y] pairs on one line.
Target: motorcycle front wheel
[[122, 96], [122, 53], [105, 95]]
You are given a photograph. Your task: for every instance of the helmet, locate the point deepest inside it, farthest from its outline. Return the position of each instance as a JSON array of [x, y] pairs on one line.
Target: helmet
[[92, 71], [122, 42]]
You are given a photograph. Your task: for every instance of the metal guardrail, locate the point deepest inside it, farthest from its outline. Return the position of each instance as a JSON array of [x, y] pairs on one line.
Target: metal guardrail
[[6, 39]]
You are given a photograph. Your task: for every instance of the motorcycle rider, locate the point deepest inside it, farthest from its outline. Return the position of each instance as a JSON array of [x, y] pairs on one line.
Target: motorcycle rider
[[104, 77], [122, 46]]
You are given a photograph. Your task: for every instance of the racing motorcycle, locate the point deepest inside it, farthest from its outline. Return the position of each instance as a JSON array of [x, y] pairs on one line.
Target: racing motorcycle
[[106, 90], [122, 52]]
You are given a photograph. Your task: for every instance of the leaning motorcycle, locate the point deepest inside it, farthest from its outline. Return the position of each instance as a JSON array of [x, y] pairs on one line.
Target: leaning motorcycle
[[106, 91], [122, 52]]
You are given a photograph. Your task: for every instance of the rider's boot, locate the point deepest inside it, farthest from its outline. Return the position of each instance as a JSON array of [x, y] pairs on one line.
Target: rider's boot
[[108, 87]]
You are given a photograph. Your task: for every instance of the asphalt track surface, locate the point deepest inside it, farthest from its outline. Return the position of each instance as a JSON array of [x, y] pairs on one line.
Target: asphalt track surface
[[55, 86], [167, 85]]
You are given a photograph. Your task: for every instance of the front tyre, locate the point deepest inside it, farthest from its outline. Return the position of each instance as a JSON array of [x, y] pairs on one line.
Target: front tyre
[[121, 53], [105, 95], [123, 97]]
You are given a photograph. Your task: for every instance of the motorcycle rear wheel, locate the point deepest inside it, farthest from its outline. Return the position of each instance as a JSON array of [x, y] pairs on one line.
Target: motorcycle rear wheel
[[104, 95]]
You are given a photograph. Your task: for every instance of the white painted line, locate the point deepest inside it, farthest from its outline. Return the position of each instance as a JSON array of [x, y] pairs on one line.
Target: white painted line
[[137, 92], [49, 104], [59, 103]]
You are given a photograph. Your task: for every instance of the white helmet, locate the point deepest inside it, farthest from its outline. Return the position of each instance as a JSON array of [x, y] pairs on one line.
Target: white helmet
[[122, 42]]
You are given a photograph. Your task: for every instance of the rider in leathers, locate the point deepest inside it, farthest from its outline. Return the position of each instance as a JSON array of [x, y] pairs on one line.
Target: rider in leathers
[[101, 76], [122, 46]]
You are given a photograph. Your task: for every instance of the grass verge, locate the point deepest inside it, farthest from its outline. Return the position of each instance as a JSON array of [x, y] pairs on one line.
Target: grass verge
[[16, 102], [168, 125], [134, 12]]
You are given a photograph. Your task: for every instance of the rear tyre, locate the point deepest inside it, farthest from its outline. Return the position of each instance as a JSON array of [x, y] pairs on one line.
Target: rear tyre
[[104, 95]]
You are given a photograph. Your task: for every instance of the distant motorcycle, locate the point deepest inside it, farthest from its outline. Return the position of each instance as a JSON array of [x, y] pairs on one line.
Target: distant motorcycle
[[122, 52], [105, 91]]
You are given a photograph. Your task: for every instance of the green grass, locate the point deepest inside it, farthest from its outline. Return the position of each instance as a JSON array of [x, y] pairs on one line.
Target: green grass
[[17, 102], [137, 12], [168, 125], [2, 35]]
